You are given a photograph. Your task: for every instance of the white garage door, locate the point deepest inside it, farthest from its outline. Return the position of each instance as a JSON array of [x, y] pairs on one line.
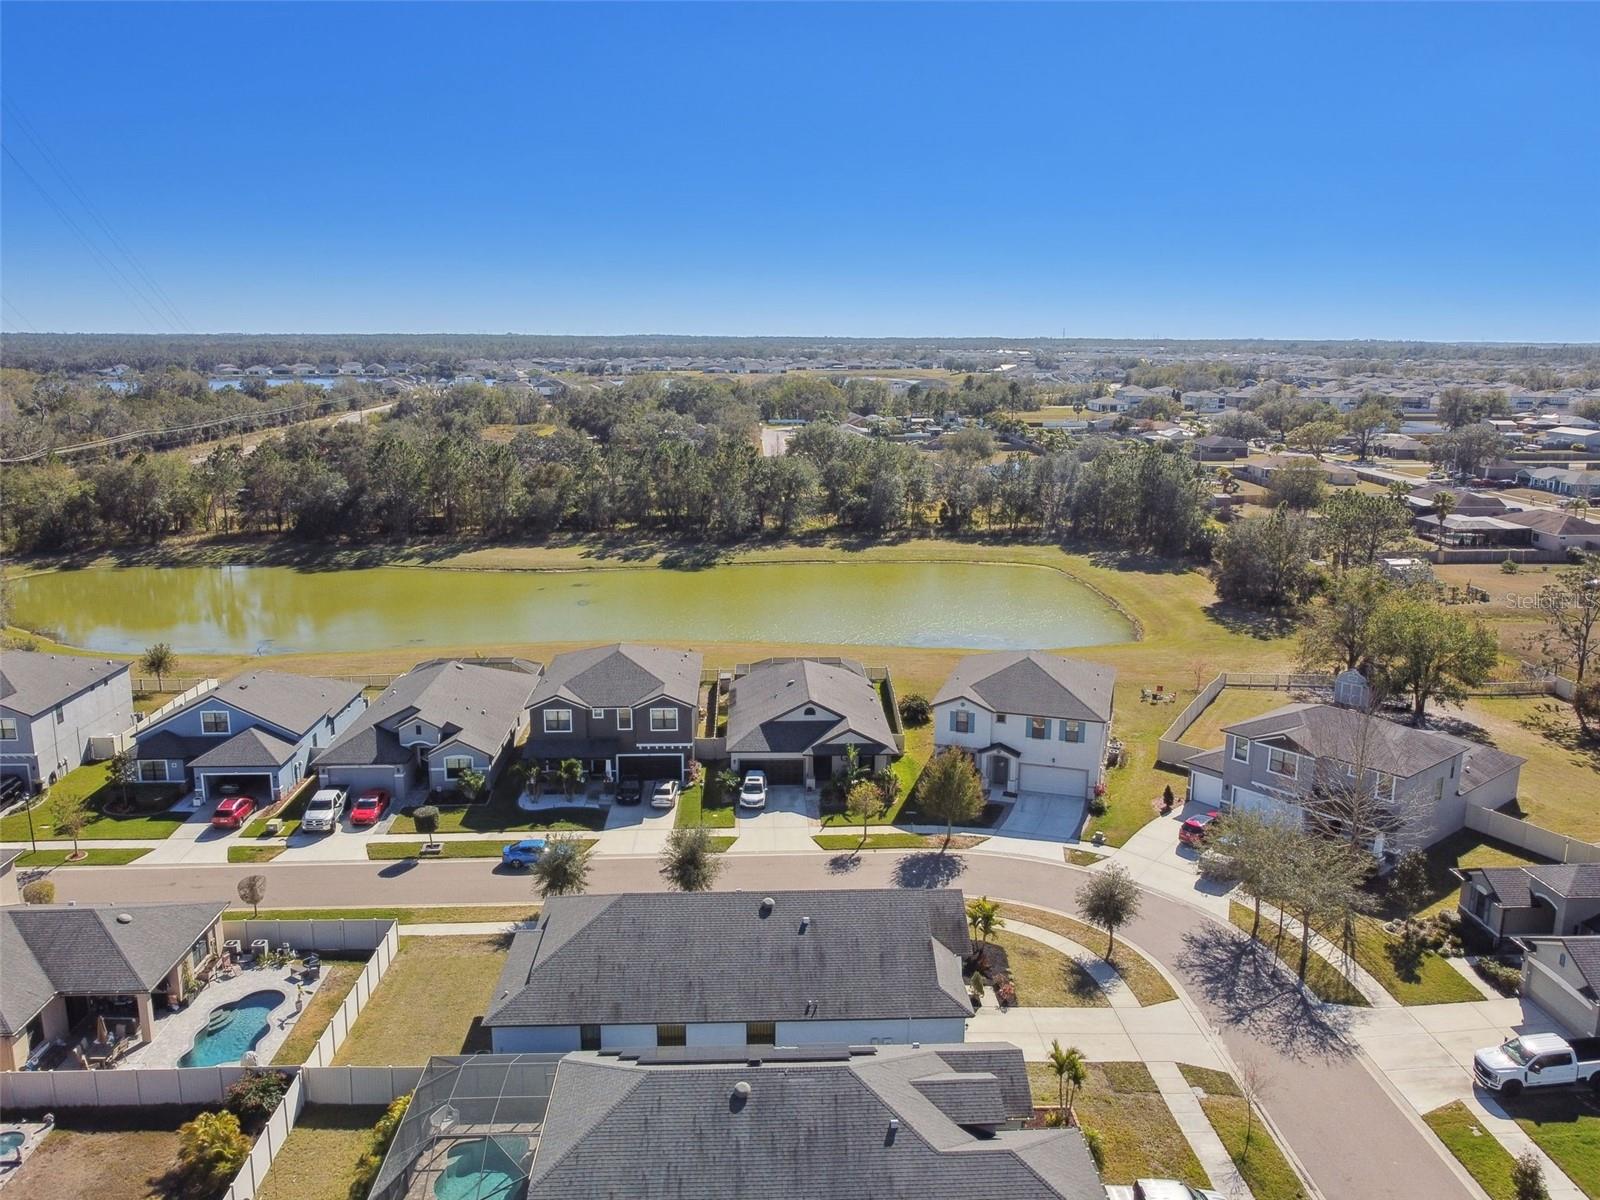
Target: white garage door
[[1245, 800], [1204, 789], [1055, 781]]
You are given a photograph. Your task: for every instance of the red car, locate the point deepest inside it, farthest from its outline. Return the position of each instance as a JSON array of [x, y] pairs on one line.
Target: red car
[[233, 811], [1193, 831], [369, 807]]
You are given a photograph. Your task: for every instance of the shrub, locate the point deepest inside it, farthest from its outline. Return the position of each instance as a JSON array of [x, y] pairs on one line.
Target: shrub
[[1005, 991], [426, 819], [377, 1146], [211, 1149], [1501, 976], [1508, 567], [40, 891], [1097, 1149], [915, 709], [255, 1096], [1098, 806]]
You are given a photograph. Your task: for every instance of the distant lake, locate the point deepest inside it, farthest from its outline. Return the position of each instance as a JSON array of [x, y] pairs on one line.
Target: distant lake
[[279, 610]]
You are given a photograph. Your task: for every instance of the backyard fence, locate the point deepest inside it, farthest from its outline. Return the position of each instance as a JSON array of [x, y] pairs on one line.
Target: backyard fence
[[126, 1087], [189, 683], [279, 1126], [1534, 838]]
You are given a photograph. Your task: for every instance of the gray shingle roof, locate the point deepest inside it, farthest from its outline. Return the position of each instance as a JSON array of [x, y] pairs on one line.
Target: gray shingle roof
[[1585, 955], [478, 705], [34, 683], [293, 703], [618, 1129], [621, 676], [1033, 683], [648, 959], [1508, 885], [85, 950], [774, 690], [166, 744], [1574, 881], [247, 748]]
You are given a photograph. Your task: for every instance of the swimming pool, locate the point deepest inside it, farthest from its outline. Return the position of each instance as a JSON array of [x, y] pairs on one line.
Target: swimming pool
[[483, 1169], [231, 1030]]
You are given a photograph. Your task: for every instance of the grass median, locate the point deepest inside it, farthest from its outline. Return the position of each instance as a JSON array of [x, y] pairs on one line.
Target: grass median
[[1326, 981], [1248, 1143], [106, 856], [1475, 1148], [461, 848]]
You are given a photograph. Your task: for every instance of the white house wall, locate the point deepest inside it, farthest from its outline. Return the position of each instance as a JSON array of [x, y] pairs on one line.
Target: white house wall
[[1086, 755]]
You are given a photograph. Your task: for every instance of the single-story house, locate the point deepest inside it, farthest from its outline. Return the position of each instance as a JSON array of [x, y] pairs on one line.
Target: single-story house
[[796, 719], [1562, 976], [735, 968], [1276, 762], [1216, 448], [1467, 529], [51, 705], [259, 731], [1513, 902], [1563, 481], [67, 965], [624, 711], [1032, 721], [1398, 445], [1261, 472], [1554, 530], [1565, 437], [846, 1122], [438, 719]]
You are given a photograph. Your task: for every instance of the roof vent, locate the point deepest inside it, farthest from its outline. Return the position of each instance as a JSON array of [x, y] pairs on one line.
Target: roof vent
[[740, 1097], [124, 918], [805, 924], [894, 1128], [767, 903]]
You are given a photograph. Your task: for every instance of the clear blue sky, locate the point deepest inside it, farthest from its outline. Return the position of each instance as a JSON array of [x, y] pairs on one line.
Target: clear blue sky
[[1204, 170]]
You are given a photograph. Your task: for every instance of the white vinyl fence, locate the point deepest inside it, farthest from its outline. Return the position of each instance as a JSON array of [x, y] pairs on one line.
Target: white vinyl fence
[[123, 1088], [1535, 838], [279, 1126]]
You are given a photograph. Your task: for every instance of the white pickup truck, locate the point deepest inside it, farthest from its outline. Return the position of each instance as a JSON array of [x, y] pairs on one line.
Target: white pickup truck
[[1159, 1189], [1537, 1060]]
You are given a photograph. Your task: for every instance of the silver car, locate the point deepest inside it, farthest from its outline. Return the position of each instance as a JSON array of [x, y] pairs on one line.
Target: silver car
[[665, 794], [1159, 1189]]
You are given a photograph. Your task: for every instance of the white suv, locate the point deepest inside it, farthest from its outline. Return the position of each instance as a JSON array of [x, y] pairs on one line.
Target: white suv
[[323, 811], [754, 792]]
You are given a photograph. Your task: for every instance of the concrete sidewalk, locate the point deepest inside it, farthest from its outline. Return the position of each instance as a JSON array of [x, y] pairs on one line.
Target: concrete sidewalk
[[1184, 1104]]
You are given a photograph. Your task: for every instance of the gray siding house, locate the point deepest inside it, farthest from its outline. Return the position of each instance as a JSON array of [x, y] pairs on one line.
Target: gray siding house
[[1515, 902], [734, 968], [51, 705], [259, 730], [1275, 763], [796, 718], [624, 711], [435, 721], [1562, 976]]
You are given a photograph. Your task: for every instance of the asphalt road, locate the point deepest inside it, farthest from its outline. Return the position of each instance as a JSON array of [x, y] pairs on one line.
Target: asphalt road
[[1349, 1134]]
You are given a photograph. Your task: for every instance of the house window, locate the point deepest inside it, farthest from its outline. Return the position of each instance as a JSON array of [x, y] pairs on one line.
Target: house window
[[1241, 750], [597, 714], [588, 1037], [198, 951], [999, 718], [1072, 731], [664, 720], [1281, 762], [671, 1035], [454, 764], [558, 720], [624, 718], [417, 731], [960, 722], [61, 714], [760, 1033], [8, 729], [1383, 786], [152, 770], [1038, 727], [214, 722], [810, 711]]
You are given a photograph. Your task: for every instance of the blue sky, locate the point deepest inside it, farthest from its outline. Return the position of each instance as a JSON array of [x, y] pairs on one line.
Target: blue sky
[[1201, 170]]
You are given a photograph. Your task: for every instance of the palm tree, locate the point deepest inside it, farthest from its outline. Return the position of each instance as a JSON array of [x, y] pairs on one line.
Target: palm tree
[[523, 772], [570, 776], [1070, 1069], [983, 917], [1444, 503]]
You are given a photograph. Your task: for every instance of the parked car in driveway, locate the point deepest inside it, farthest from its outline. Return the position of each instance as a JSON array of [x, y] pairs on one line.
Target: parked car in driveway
[[233, 811], [1537, 1060], [630, 791], [665, 794], [369, 807], [1159, 1189], [753, 794], [1195, 830], [521, 855], [323, 811]]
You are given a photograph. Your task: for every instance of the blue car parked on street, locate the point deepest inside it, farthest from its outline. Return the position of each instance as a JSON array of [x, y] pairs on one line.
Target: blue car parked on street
[[522, 854]]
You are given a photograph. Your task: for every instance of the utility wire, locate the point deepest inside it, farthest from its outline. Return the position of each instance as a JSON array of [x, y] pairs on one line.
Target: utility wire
[[6, 300]]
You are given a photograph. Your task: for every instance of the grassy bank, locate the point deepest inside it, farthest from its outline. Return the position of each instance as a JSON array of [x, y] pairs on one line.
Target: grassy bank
[[1327, 982]]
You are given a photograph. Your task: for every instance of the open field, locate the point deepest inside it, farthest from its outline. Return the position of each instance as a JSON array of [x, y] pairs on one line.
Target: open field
[[1121, 1103], [318, 1162], [1562, 775], [428, 1003]]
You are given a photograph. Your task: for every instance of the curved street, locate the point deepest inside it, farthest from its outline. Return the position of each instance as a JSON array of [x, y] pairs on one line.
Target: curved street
[[1352, 1137]]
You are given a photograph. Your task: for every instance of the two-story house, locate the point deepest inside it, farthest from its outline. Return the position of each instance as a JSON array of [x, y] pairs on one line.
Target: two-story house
[[258, 731], [437, 720], [624, 711], [1278, 762], [51, 705], [857, 967], [1034, 722], [796, 719]]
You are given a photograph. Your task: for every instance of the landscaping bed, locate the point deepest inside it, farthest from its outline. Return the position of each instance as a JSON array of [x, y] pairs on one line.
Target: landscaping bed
[[429, 1002], [1144, 980], [1137, 1131], [1411, 977], [1263, 1165]]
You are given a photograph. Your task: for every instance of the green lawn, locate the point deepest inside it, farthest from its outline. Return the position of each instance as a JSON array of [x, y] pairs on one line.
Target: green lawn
[[894, 841], [1561, 769], [1140, 1136], [388, 851], [1326, 981], [1465, 849], [254, 854], [704, 804], [443, 914], [508, 818], [91, 783], [1045, 977], [1262, 1163], [111, 856], [1231, 705], [907, 770], [1566, 1125], [1427, 979], [1485, 1159], [1144, 979], [318, 1161], [339, 975], [430, 1002], [719, 845]]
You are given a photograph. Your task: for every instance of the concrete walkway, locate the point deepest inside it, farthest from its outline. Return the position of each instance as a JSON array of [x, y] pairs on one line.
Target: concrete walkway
[[1166, 1032], [1184, 1103]]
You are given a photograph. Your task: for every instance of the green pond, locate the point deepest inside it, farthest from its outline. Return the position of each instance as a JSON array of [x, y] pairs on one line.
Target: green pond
[[281, 610]]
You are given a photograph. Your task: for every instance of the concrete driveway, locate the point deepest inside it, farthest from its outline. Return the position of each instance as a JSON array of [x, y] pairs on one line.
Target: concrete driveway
[[1039, 825], [636, 829], [785, 825], [1157, 860]]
